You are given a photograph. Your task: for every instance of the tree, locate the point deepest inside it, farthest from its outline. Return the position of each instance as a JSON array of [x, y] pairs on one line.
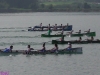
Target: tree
[[86, 6], [50, 7], [43, 5]]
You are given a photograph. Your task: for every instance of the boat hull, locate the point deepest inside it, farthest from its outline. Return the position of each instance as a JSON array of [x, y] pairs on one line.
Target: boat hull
[[82, 34], [45, 28], [74, 42], [45, 35], [77, 50]]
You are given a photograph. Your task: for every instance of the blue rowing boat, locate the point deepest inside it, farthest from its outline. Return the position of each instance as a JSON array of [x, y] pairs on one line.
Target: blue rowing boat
[[77, 50], [45, 28]]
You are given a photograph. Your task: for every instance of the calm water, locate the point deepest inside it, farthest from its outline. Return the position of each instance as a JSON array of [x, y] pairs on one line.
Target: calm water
[[11, 26]]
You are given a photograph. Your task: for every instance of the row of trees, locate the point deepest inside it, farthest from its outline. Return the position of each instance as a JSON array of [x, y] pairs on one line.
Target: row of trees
[[27, 4], [35, 5]]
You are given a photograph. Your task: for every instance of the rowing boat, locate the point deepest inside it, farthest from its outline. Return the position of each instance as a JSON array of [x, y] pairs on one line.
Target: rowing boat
[[58, 35], [45, 28], [82, 34], [75, 42], [77, 50]]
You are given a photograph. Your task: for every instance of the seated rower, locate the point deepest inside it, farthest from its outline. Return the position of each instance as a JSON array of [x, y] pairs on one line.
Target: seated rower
[[70, 32], [62, 27], [43, 49], [67, 24], [69, 46], [62, 32], [29, 49], [79, 32], [80, 39], [8, 49], [49, 26], [62, 38], [40, 24], [55, 27], [92, 39], [88, 31], [55, 49]]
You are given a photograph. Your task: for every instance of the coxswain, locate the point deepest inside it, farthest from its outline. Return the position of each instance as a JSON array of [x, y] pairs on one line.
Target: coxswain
[[8, 49]]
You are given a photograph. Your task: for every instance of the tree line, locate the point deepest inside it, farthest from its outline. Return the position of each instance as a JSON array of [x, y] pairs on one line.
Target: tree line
[[36, 5]]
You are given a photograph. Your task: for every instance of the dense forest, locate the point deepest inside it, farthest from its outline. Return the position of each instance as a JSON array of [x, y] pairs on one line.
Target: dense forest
[[49, 5]]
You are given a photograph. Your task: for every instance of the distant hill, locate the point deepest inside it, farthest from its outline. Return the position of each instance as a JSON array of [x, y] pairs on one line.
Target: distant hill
[[97, 1]]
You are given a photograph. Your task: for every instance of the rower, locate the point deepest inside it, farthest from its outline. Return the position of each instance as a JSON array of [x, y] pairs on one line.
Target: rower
[[88, 31], [62, 38], [62, 28], [62, 32], [55, 27], [49, 31], [8, 49], [79, 32], [43, 49], [40, 24], [55, 49], [70, 33], [80, 39], [49, 26], [29, 49], [91, 38], [69, 46]]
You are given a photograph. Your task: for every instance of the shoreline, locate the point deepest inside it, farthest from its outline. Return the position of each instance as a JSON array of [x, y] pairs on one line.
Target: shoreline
[[30, 10]]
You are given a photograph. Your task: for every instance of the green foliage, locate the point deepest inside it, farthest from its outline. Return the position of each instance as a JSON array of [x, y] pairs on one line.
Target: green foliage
[[58, 5]]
